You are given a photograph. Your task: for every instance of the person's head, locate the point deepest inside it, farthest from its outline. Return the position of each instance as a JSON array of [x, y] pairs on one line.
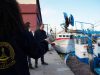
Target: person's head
[[27, 25], [10, 18], [41, 27]]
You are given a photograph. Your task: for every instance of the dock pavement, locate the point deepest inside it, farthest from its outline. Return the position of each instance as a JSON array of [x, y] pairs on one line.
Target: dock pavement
[[56, 65]]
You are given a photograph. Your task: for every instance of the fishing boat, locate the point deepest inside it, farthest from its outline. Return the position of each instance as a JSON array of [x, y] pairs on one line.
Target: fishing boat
[[64, 42], [82, 49]]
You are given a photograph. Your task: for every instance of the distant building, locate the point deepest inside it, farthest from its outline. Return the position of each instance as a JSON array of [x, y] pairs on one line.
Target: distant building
[[31, 12]]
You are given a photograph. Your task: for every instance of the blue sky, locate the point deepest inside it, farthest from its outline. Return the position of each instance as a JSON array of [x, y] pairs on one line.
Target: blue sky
[[82, 10]]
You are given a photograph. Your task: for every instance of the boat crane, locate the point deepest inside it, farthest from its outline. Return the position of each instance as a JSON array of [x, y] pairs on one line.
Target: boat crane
[[94, 60]]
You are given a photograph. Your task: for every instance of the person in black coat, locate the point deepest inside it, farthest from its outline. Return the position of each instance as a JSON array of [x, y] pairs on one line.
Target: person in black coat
[[41, 37], [27, 27], [16, 43]]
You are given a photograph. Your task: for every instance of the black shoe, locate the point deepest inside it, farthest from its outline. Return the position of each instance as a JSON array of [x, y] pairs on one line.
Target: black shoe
[[44, 63], [36, 66], [31, 67]]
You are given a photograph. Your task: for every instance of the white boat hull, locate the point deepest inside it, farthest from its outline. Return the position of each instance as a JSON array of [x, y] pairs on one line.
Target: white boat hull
[[65, 45]]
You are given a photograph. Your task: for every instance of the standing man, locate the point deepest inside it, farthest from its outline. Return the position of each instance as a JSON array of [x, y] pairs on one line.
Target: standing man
[[41, 37], [27, 28]]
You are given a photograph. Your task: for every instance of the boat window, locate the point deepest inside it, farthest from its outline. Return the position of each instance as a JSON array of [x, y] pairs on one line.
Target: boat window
[[84, 41], [63, 35], [67, 35], [71, 36], [99, 44], [60, 35]]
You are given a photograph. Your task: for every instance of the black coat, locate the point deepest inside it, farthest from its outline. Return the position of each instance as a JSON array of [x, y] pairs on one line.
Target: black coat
[[14, 50], [40, 36]]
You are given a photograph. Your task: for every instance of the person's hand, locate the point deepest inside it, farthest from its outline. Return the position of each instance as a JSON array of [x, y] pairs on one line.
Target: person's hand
[[53, 44], [47, 39]]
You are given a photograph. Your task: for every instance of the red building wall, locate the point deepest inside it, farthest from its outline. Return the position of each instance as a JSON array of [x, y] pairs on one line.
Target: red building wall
[[32, 19], [31, 13]]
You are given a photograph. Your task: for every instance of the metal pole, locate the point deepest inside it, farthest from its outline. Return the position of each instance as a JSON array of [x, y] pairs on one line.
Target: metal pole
[[55, 32], [47, 29]]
